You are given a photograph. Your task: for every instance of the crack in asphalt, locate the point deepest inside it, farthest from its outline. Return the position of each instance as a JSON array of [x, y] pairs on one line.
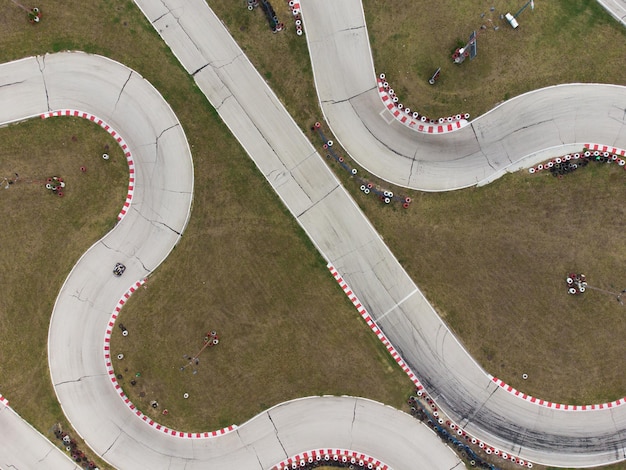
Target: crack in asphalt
[[413, 162], [217, 67], [348, 99], [161, 135], [276, 433], [354, 28], [155, 222], [157, 19], [122, 90], [217, 108], [143, 265], [477, 410], [12, 83], [252, 448], [110, 247], [112, 444], [77, 296], [530, 125], [171, 12], [200, 69], [316, 203], [78, 379], [352, 424], [42, 68], [45, 456]]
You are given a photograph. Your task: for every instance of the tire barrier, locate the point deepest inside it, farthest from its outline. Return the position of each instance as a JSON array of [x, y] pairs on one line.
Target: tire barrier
[[576, 283], [270, 14], [55, 184], [71, 447], [294, 6], [561, 166], [456, 438], [120, 142], [414, 119], [367, 187], [341, 458]]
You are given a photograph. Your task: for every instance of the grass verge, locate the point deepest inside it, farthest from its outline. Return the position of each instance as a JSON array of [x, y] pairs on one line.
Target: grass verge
[[43, 236]]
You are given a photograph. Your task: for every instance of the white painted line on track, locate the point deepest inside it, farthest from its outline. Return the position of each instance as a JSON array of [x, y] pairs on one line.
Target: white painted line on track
[[397, 305]]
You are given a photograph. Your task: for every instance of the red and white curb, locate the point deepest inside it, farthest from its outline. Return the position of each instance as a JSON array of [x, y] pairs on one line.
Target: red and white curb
[[593, 150], [331, 455], [413, 120], [557, 406], [117, 137], [374, 327], [4, 401], [605, 148], [419, 387], [118, 388]]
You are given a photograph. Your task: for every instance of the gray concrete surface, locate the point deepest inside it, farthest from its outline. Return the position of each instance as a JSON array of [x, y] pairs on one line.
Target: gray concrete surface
[[332, 220], [617, 9], [342, 66], [22, 447], [158, 215], [506, 138]]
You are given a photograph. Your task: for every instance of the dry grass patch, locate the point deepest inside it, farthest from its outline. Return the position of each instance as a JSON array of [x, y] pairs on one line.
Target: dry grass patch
[[245, 269], [561, 41], [493, 261]]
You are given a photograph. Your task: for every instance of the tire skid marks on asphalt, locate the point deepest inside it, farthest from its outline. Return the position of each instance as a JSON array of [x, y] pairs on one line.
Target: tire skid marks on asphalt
[[419, 387]]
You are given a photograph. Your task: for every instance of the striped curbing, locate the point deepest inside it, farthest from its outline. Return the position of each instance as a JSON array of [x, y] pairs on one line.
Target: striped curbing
[[421, 392], [421, 124], [331, 455], [120, 141], [125, 399]]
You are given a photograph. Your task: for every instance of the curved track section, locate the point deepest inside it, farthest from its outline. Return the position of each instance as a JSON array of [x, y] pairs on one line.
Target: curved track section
[[151, 227], [516, 134], [344, 74], [520, 132]]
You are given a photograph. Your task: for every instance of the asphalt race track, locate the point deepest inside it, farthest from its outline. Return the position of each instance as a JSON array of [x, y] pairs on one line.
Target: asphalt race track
[[522, 131], [162, 196]]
